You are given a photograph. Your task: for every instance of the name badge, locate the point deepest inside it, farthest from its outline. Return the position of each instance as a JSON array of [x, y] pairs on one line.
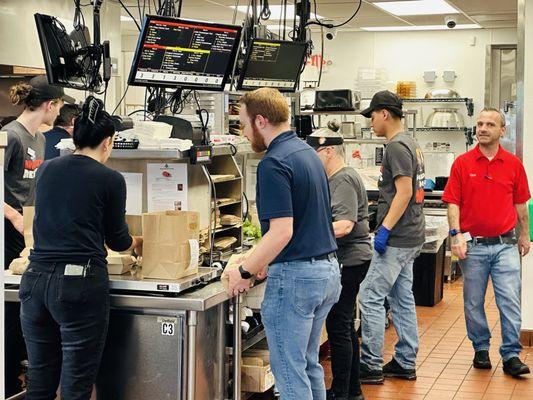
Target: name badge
[[74, 270], [31, 153]]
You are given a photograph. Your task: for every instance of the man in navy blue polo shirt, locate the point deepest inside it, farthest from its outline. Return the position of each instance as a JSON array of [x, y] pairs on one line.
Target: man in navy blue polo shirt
[[297, 248]]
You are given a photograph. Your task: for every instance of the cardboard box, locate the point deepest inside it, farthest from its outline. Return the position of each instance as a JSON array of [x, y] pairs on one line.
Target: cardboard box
[[256, 375], [171, 244]]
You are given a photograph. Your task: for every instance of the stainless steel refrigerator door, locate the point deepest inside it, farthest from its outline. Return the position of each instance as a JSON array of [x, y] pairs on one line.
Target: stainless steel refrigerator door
[[143, 357]]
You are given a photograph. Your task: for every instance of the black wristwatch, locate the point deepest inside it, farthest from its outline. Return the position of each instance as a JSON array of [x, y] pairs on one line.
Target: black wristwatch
[[244, 274]]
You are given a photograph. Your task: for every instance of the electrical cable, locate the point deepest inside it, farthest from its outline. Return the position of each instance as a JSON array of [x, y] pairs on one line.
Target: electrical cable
[[130, 14], [139, 9], [321, 55], [121, 99], [265, 11], [138, 111], [330, 26]]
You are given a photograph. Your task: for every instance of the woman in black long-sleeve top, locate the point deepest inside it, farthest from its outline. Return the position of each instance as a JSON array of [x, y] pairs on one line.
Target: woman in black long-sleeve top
[[79, 207]]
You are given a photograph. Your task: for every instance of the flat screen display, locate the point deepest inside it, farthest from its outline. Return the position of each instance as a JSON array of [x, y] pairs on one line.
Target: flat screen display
[[272, 63], [174, 52]]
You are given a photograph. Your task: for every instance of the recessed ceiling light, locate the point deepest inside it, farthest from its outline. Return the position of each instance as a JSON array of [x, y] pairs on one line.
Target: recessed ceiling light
[[419, 28], [276, 12], [275, 28], [417, 7], [125, 18]]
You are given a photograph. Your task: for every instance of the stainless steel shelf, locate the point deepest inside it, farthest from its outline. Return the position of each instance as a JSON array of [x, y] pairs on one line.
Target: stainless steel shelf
[[246, 344], [227, 228], [228, 180], [229, 203], [437, 129], [305, 112], [140, 154], [441, 100], [365, 141]]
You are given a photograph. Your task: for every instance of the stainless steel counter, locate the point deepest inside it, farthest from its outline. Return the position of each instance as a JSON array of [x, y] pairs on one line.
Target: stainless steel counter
[[179, 337]]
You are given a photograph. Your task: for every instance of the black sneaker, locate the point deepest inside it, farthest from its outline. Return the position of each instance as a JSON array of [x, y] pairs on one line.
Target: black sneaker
[[332, 396], [515, 367], [370, 376], [394, 370], [482, 360], [358, 396]]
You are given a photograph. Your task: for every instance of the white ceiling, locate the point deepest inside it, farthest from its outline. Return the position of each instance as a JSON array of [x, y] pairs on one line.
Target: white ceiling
[[486, 13]]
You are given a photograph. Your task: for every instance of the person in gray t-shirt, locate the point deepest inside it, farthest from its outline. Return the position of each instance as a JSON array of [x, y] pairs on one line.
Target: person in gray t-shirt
[[349, 205], [23, 155], [397, 243]]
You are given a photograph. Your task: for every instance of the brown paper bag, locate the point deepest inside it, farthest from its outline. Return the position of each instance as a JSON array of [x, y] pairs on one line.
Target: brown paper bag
[[170, 247], [135, 224], [234, 262]]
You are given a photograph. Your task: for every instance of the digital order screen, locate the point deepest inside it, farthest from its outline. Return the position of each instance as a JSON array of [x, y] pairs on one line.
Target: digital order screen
[[273, 63], [175, 52]]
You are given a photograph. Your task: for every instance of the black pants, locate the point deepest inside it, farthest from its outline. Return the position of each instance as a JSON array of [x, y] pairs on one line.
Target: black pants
[[64, 320], [15, 350], [343, 340]]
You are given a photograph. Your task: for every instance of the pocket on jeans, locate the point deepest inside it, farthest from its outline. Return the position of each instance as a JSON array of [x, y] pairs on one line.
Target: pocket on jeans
[[272, 295], [72, 289], [27, 284], [309, 294]]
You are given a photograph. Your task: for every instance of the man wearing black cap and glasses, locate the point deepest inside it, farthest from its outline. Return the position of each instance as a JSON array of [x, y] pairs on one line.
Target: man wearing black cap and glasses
[[349, 207], [23, 156], [397, 243]]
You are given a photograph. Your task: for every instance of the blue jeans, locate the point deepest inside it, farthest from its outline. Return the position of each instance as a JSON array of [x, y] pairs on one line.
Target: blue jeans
[[298, 297], [502, 263], [390, 276], [64, 321]]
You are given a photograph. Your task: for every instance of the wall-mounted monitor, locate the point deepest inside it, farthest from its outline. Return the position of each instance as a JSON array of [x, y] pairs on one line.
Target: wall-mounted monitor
[[272, 63], [174, 52]]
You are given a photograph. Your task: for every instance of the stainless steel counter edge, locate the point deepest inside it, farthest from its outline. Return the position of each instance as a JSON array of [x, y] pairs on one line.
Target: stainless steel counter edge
[[197, 300], [218, 150]]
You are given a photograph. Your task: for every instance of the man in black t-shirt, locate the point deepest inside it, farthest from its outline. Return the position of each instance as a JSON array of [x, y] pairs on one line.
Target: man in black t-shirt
[[349, 205], [397, 242]]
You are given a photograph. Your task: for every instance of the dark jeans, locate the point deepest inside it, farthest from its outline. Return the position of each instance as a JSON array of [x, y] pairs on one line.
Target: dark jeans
[[15, 350], [343, 339], [64, 320]]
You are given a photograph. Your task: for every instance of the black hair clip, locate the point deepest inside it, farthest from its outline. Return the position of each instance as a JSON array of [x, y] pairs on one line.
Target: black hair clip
[[94, 107]]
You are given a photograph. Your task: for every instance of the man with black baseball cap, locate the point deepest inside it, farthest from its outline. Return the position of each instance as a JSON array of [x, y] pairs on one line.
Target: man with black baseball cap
[[349, 208], [397, 242], [23, 156]]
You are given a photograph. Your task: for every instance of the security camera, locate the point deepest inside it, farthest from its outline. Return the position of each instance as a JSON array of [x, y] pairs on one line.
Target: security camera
[[450, 21], [331, 33]]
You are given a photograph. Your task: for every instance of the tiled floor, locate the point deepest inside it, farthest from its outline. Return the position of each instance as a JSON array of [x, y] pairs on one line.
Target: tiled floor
[[444, 361], [444, 366]]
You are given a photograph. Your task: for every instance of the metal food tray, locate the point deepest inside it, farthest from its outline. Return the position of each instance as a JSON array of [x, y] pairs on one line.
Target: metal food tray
[[135, 282]]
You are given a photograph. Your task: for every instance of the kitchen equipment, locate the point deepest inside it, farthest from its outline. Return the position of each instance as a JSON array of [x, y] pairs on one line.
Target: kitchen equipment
[[445, 118], [442, 94], [335, 100], [348, 129]]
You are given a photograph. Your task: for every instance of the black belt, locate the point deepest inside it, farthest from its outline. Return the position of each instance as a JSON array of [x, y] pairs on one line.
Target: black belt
[[506, 238], [328, 256]]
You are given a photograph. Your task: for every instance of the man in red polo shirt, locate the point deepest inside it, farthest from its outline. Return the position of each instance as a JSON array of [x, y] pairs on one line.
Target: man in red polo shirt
[[486, 195]]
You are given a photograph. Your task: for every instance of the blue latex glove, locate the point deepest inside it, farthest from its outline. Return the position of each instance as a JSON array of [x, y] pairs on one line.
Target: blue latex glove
[[381, 239]]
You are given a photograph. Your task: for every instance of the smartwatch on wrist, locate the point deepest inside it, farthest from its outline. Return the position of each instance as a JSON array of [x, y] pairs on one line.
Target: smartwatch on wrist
[[454, 232], [244, 274]]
